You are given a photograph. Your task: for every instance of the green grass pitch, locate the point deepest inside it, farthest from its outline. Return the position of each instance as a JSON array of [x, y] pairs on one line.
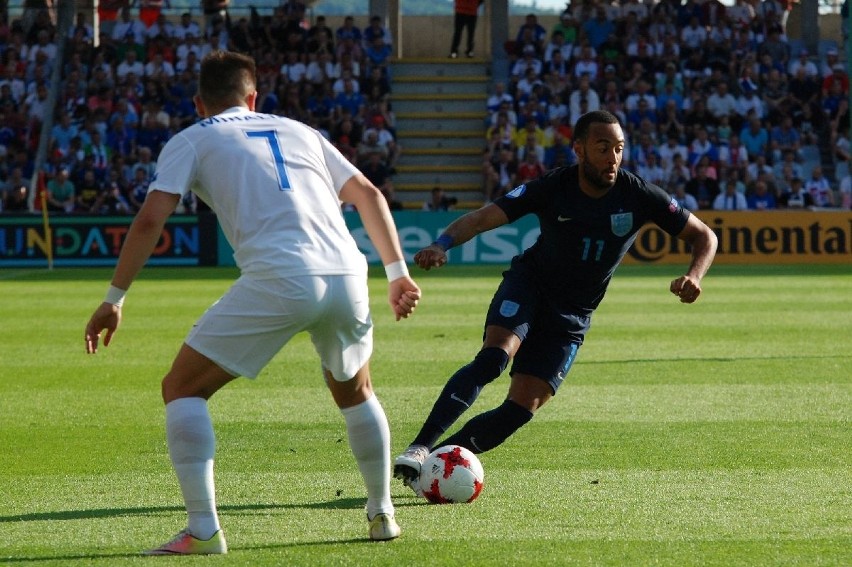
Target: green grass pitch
[[713, 434]]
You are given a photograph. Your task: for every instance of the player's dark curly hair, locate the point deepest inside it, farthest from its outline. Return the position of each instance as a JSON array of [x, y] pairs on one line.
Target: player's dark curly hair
[[581, 128], [226, 78]]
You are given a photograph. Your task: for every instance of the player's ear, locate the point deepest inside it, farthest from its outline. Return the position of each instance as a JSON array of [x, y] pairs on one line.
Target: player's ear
[[251, 99], [199, 106]]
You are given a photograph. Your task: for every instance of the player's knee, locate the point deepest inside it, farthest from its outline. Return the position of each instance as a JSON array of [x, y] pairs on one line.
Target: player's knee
[[490, 363]]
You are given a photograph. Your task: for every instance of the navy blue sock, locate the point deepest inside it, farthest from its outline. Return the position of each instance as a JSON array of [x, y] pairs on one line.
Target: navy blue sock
[[460, 393], [490, 429]]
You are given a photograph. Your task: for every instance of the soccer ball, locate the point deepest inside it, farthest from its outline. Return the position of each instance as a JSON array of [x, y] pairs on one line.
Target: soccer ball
[[451, 474]]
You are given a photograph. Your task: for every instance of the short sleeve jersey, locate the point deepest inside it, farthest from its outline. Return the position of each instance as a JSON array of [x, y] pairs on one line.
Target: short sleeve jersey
[[583, 239], [273, 184]]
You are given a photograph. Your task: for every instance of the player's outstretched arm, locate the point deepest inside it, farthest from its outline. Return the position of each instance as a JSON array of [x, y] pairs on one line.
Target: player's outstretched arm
[[460, 231], [703, 242], [403, 292], [141, 239]]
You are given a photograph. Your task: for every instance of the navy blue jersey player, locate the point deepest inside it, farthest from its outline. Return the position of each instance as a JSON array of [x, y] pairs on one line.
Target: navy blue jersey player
[[589, 215]]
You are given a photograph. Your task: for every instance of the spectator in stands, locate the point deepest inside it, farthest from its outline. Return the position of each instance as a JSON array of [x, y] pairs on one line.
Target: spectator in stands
[[755, 137], [61, 192], [652, 171], [499, 96], [599, 28], [531, 33], [733, 177], [721, 102], [14, 200], [729, 200], [351, 102], [374, 167], [523, 134], [560, 151], [704, 189], [760, 198], [89, 193], [503, 129], [586, 65], [837, 77], [503, 177], [530, 166], [439, 201], [187, 27], [749, 102], [584, 93], [797, 197], [128, 28], [757, 168], [701, 146], [377, 56], [784, 137], [686, 200], [803, 62], [819, 188]]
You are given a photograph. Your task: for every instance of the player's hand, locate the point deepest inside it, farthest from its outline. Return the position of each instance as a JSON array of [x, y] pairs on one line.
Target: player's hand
[[403, 295], [686, 288], [107, 317], [431, 257]]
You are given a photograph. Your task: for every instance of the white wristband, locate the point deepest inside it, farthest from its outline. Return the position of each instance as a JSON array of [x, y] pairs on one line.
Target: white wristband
[[396, 270], [115, 296]]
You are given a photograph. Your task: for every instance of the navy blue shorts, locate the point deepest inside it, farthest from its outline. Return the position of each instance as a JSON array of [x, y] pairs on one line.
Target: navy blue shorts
[[549, 339]]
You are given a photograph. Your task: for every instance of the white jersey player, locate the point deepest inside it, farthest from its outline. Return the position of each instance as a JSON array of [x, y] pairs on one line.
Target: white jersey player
[[276, 188]]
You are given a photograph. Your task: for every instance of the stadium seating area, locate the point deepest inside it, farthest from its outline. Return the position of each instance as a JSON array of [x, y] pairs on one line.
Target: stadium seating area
[[714, 99]]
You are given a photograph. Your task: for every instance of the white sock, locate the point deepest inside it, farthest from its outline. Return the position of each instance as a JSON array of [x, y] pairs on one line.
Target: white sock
[[369, 439], [189, 434]]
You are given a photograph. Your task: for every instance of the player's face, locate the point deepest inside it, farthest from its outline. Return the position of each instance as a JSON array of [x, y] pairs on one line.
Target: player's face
[[600, 156]]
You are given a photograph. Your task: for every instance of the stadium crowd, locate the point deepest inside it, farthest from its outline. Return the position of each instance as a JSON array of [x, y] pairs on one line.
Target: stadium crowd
[[716, 103], [122, 99]]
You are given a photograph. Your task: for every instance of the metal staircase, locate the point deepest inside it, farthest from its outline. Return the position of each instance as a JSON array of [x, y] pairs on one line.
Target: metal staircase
[[440, 123]]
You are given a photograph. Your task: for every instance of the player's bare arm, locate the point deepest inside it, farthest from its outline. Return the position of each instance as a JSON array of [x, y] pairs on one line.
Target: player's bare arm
[[141, 239], [403, 292], [703, 242], [460, 231]]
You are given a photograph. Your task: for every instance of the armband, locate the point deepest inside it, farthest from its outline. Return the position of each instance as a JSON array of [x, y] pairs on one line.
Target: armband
[[445, 242], [396, 270], [115, 296]]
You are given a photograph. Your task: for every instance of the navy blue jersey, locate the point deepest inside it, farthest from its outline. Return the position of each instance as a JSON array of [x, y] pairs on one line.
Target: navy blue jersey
[[583, 239]]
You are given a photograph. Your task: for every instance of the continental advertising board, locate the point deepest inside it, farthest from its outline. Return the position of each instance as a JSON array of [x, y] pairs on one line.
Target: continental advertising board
[[778, 237], [745, 237]]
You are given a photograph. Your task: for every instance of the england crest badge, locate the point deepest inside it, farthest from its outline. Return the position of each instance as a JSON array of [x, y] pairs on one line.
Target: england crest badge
[[621, 223]]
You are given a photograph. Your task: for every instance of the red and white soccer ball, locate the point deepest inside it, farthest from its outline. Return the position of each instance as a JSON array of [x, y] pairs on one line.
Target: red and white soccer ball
[[451, 474]]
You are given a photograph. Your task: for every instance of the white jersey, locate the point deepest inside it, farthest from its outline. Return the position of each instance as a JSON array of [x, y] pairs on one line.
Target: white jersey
[[274, 184]]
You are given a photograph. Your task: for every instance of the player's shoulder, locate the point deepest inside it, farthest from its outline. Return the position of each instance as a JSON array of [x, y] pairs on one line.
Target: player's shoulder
[[628, 179]]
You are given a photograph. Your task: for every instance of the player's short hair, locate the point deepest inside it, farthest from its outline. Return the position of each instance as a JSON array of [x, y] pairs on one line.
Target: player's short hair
[[581, 128], [226, 78]]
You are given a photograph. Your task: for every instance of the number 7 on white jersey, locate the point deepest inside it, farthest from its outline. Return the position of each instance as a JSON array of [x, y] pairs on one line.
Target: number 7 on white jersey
[[277, 156]]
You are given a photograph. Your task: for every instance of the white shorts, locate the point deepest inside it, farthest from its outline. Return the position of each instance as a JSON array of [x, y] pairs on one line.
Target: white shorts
[[255, 318]]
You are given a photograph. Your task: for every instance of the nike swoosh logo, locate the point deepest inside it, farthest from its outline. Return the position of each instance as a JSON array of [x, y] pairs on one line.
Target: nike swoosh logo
[[475, 446], [560, 218], [453, 396]]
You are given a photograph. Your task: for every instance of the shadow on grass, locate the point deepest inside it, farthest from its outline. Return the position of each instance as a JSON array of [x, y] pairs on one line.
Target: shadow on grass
[[340, 504], [235, 509], [693, 360], [272, 546]]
